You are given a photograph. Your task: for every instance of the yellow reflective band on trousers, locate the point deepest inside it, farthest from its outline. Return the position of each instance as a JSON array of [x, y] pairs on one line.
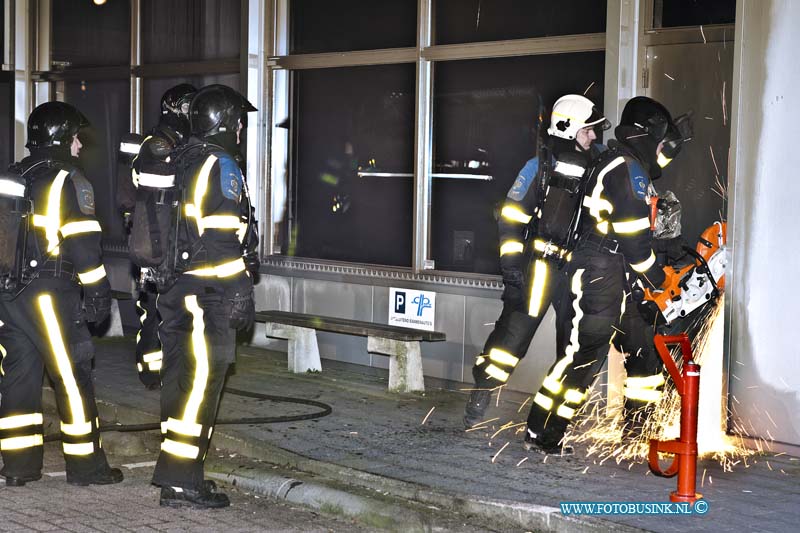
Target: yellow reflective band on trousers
[[515, 214], [51, 220], [19, 443], [645, 265], [480, 360], [574, 396], [188, 425], [225, 270], [503, 357], [200, 187], [497, 373], [543, 401], [538, 287], [155, 366], [19, 421], [511, 247], [93, 276], [631, 226], [63, 364], [83, 448], [153, 356], [76, 430], [565, 411], [645, 382], [182, 427], [3, 355], [663, 160], [142, 318], [76, 228], [553, 380], [180, 449], [644, 394], [645, 388]]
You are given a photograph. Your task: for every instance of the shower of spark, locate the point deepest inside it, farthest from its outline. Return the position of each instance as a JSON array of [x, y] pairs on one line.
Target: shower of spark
[[606, 436]]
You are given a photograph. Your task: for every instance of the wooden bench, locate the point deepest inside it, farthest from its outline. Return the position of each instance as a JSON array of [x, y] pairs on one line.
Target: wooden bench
[[400, 344]]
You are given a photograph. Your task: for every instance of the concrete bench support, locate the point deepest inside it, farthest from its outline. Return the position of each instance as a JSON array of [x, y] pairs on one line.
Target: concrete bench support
[[303, 348], [405, 363]]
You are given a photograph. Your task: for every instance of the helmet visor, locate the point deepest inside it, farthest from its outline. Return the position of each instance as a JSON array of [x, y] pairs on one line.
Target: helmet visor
[[679, 131], [597, 120]]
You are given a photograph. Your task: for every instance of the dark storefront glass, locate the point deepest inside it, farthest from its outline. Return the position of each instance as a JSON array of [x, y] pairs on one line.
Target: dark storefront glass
[[351, 194], [190, 30], [343, 25], [87, 35], [154, 88], [464, 21], [6, 119], [106, 104], [483, 133], [2, 32], [672, 13]]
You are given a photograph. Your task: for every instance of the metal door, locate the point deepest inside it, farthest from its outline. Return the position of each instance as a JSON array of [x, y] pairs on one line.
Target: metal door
[[696, 76]]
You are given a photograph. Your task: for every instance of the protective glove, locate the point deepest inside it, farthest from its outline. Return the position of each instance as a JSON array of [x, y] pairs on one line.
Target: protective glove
[[97, 303], [670, 251], [243, 307]]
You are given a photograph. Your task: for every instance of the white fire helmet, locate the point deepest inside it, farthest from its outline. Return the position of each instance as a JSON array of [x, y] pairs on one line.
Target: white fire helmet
[[573, 112]]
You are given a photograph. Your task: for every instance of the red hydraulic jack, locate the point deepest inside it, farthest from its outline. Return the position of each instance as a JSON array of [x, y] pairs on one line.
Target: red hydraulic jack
[[685, 448]]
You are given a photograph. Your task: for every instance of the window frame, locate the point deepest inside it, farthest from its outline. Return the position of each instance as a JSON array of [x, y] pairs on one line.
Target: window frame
[[424, 55], [43, 83]]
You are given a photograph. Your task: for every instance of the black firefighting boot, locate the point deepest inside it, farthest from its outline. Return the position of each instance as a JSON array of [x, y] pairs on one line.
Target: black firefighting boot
[[204, 498], [476, 406], [19, 481], [545, 446], [101, 476]]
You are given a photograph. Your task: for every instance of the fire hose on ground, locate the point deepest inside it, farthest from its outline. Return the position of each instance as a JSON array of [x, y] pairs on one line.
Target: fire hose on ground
[[325, 410]]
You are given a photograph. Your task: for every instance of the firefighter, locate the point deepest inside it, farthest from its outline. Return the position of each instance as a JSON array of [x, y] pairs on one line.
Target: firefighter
[[149, 166], [210, 297], [614, 237], [528, 292], [43, 322]]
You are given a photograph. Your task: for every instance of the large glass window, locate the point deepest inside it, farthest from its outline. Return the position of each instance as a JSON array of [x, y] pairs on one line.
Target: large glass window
[[352, 178], [2, 31], [6, 118], [672, 13], [86, 34], [463, 21], [105, 104], [484, 131], [341, 25], [190, 30]]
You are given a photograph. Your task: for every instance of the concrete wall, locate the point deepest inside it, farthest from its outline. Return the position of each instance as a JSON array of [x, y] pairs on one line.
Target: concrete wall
[[763, 352]]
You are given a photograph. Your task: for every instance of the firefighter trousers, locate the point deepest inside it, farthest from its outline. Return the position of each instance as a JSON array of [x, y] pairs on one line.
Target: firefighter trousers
[[643, 365], [514, 330], [43, 329], [148, 346], [595, 304], [198, 346]]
